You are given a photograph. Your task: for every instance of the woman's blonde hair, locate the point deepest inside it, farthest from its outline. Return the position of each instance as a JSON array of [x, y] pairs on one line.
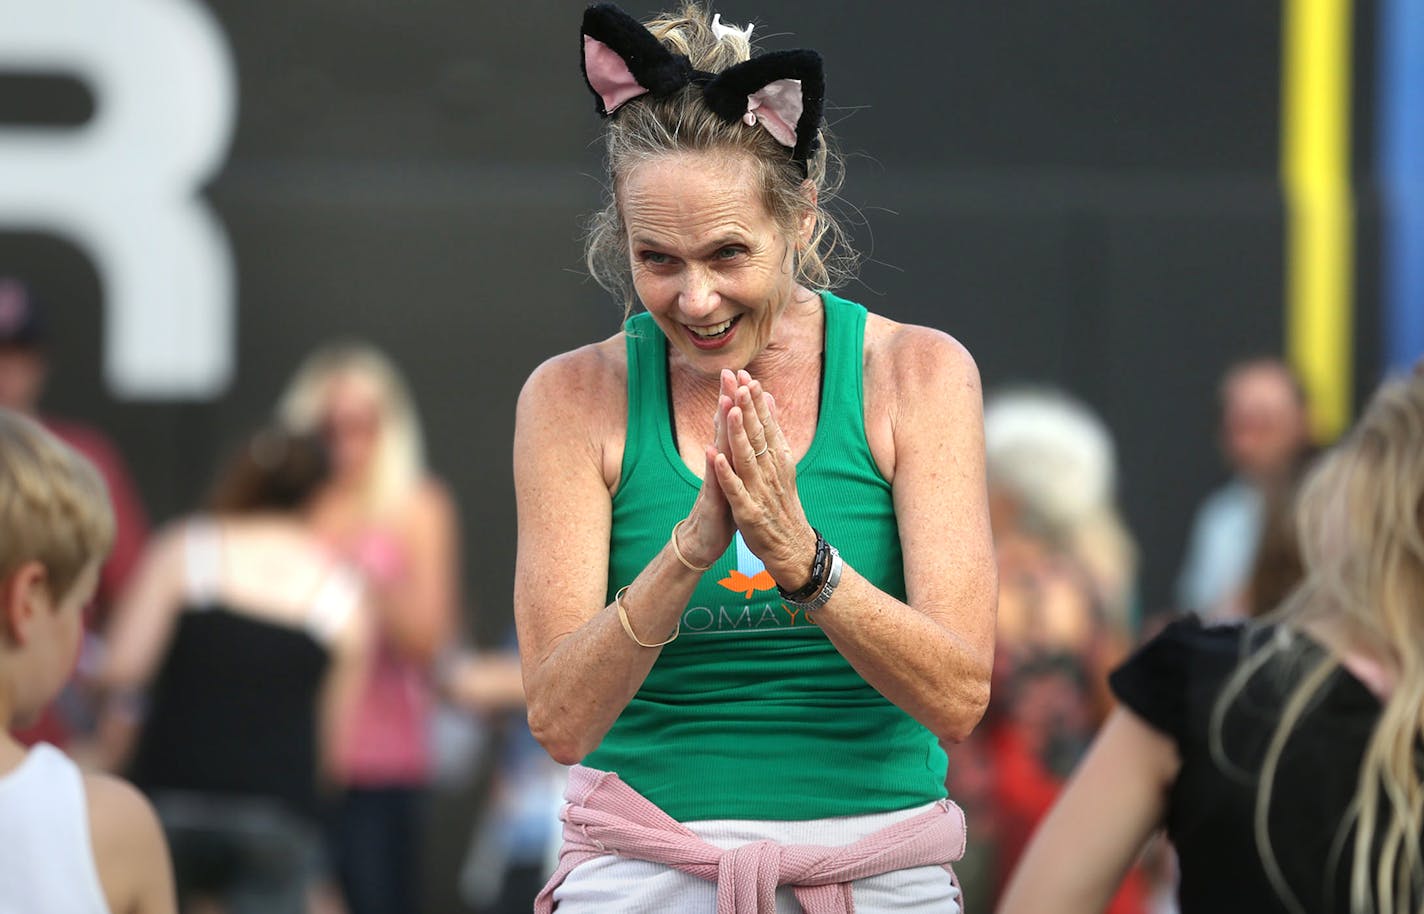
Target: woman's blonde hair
[[54, 507], [399, 462], [1361, 526], [647, 128]]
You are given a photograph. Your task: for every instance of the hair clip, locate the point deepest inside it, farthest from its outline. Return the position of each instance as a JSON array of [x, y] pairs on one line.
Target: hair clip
[[722, 31], [783, 91]]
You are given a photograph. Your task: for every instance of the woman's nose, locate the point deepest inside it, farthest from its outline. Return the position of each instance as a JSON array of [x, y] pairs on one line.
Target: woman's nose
[[698, 297]]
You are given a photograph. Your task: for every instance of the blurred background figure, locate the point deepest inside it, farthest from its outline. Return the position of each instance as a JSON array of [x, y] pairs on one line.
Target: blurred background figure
[[24, 369], [1277, 564], [515, 836], [248, 636], [381, 510], [1280, 755], [1265, 439], [1067, 575]]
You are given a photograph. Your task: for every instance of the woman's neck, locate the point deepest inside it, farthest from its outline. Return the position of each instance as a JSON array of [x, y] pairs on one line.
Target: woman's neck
[[11, 752], [794, 348], [1363, 663]]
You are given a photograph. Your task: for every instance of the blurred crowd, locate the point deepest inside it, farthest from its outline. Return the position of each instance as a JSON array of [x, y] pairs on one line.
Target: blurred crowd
[[270, 668]]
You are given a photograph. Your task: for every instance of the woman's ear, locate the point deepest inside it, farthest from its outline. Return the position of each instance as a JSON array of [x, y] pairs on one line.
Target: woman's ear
[[808, 216], [23, 596]]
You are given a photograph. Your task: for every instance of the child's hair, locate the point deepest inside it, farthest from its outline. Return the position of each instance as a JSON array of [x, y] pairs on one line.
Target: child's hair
[[54, 507]]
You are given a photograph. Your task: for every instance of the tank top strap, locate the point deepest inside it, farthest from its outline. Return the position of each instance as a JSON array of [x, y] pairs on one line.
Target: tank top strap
[[202, 562], [842, 413], [336, 598], [647, 389]]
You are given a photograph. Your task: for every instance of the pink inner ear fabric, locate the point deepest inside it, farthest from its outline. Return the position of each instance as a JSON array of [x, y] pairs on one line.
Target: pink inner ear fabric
[[777, 106], [609, 75]]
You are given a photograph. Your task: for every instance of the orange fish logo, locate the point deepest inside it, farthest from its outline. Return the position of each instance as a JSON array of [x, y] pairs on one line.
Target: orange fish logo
[[737, 582]]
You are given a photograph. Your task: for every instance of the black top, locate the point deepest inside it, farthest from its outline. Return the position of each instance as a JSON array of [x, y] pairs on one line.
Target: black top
[[233, 711], [1173, 682]]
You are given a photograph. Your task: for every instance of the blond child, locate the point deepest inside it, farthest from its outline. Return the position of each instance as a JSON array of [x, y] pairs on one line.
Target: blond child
[[69, 841]]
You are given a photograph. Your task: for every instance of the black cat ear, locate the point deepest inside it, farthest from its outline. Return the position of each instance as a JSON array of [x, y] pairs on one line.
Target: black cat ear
[[622, 60], [784, 92]]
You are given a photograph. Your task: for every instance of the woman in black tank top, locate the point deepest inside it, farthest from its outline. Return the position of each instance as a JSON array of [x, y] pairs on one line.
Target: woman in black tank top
[[246, 636], [1282, 756]]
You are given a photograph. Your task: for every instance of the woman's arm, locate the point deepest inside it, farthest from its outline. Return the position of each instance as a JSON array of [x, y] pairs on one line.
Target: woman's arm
[[580, 667], [1115, 800], [420, 611], [142, 627], [484, 681], [143, 623], [931, 655], [342, 687]]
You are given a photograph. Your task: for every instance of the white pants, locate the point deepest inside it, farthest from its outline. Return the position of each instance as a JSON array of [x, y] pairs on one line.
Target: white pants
[[612, 883]]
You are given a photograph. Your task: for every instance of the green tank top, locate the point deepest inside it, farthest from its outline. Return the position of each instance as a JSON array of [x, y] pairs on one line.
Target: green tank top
[[752, 713]]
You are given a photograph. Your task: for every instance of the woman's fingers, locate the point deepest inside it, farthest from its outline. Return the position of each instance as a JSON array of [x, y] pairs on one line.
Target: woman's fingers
[[760, 402], [766, 412], [742, 450], [720, 440], [751, 421], [777, 436], [733, 489], [709, 478]]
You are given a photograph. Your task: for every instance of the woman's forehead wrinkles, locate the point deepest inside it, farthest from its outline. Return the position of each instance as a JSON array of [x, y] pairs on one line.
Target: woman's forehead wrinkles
[[654, 222]]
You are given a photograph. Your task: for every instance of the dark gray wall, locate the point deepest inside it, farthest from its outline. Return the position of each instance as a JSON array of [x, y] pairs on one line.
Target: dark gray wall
[[1083, 194]]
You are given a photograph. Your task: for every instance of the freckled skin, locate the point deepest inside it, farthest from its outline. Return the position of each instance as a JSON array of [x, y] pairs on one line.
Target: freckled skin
[[704, 249]]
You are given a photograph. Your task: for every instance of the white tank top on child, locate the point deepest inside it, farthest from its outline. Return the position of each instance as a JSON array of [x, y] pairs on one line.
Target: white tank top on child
[[46, 857]]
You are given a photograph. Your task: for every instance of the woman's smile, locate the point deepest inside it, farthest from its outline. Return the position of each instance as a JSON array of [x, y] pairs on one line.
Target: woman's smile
[[709, 261], [713, 336]]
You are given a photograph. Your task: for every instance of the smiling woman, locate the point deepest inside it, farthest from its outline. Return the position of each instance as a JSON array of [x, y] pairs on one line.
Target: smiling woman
[[753, 526]]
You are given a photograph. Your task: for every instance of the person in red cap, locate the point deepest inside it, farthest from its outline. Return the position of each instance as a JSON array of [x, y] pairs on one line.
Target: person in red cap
[[24, 368]]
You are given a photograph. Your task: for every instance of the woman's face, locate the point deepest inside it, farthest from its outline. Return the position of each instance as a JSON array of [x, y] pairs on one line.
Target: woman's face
[[351, 423], [708, 260]]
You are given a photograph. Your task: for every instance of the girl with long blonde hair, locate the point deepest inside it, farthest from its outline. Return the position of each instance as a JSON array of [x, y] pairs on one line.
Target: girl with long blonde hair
[[1283, 756], [384, 511]]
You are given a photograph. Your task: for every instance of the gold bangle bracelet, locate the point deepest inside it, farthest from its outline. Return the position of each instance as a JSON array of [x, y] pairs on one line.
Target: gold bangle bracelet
[[678, 552], [627, 627]]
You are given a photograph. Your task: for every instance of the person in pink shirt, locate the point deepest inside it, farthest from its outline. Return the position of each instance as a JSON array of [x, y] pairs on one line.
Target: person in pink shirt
[[383, 511]]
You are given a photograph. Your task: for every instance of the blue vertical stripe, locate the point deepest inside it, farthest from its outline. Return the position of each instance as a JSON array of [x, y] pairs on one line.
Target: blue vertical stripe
[[1401, 171], [747, 562]]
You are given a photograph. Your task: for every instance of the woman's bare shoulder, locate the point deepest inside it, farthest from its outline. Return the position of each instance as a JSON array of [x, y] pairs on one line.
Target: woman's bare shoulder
[[910, 359], [578, 379], [579, 400]]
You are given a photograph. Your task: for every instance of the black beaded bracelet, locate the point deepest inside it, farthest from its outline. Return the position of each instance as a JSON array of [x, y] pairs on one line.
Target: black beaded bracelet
[[820, 567]]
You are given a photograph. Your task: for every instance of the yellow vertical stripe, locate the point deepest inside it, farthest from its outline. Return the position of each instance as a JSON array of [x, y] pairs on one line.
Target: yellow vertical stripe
[[1315, 168]]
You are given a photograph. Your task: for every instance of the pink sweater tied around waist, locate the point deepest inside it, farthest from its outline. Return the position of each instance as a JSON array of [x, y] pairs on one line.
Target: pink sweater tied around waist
[[606, 816]]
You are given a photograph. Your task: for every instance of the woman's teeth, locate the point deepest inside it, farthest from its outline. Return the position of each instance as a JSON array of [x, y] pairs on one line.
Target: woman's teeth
[[715, 330]]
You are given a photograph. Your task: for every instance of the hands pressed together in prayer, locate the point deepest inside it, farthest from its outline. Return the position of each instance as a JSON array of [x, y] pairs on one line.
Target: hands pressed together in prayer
[[749, 485]]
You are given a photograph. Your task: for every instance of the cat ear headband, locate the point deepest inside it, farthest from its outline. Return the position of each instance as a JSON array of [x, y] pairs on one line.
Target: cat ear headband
[[783, 91]]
